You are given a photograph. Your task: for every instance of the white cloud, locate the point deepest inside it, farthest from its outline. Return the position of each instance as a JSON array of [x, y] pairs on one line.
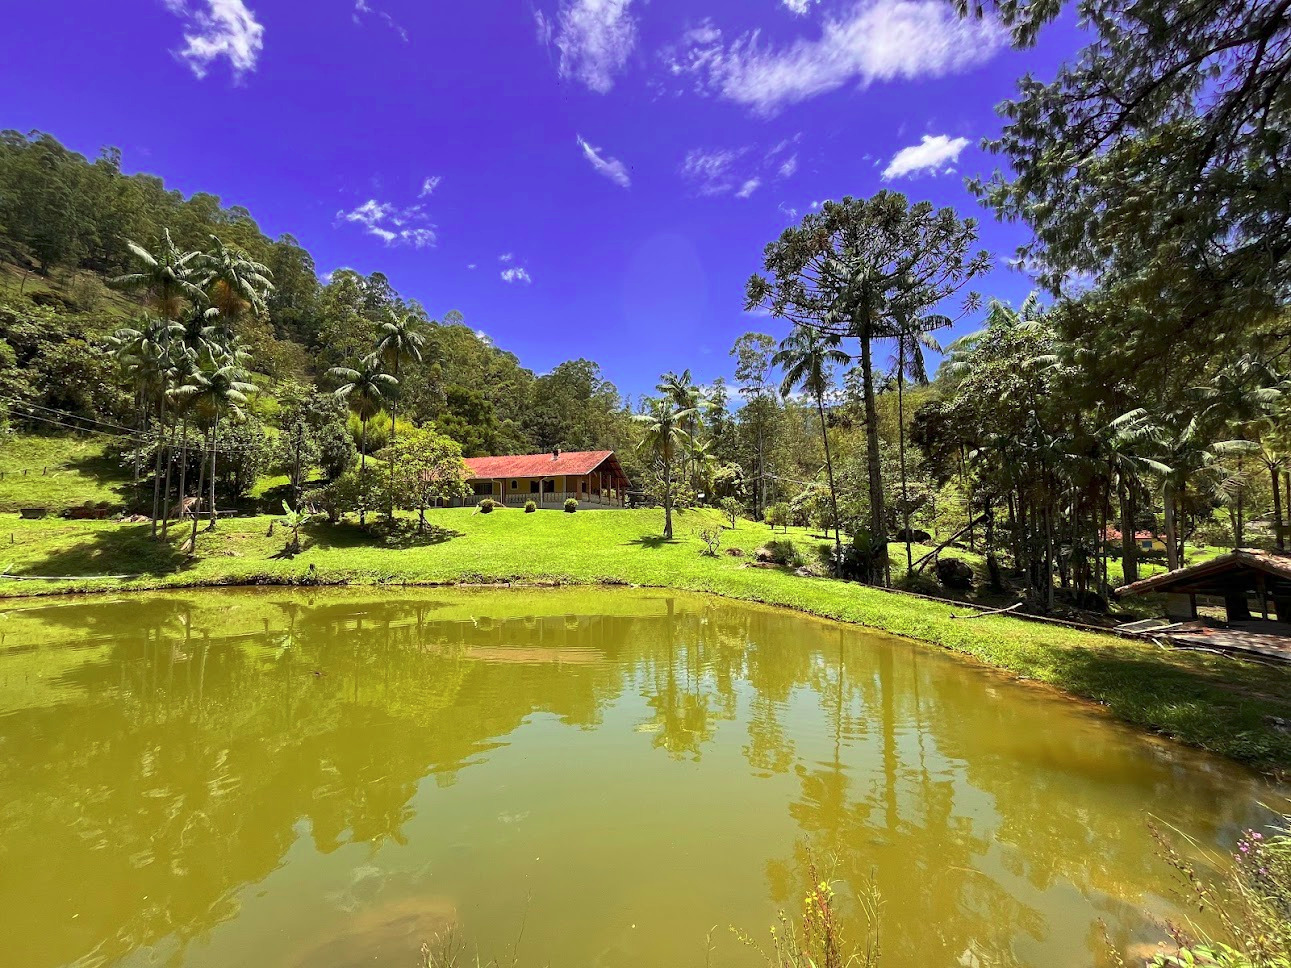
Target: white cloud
[[712, 172], [595, 39], [750, 186], [788, 211], [362, 7], [393, 226], [789, 167], [934, 152], [516, 274], [878, 40], [611, 168], [505, 257], [429, 185], [799, 6], [219, 28], [470, 265]]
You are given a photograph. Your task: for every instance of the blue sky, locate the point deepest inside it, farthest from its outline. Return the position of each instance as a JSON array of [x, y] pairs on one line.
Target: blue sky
[[578, 177]]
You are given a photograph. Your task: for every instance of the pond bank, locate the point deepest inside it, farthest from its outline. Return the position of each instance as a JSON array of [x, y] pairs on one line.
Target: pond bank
[[1229, 707]]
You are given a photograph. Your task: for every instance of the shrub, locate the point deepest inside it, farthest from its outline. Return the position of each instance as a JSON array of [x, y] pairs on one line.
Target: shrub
[[571, 505], [777, 516], [487, 505], [530, 507], [781, 552], [712, 538], [731, 508]]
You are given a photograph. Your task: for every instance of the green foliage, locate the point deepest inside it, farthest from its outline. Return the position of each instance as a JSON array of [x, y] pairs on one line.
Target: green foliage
[[487, 505], [731, 507], [571, 505], [294, 520], [530, 507], [782, 552], [428, 470], [777, 515]]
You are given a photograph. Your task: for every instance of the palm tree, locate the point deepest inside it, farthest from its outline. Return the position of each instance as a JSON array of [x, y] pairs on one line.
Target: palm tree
[[214, 393], [913, 336], [663, 436], [400, 337], [366, 389], [233, 282], [147, 354], [1246, 395], [167, 278], [686, 396], [808, 359]]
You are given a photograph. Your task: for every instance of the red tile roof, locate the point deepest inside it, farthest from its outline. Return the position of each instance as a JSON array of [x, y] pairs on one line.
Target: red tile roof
[[576, 462], [1114, 534]]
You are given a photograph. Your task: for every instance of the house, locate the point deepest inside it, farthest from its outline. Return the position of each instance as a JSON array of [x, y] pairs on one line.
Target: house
[[1147, 542], [592, 477]]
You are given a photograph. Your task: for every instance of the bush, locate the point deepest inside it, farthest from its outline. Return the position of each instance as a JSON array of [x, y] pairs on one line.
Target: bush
[[712, 538], [731, 507], [530, 507], [777, 516], [781, 552], [487, 505], [571, 506]]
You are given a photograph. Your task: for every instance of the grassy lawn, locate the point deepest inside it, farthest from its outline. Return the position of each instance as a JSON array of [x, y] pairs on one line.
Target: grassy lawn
[[1216, 703], [58, 472]]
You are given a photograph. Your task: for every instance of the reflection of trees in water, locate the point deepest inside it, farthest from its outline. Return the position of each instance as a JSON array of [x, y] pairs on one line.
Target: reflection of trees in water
[[199, 748]]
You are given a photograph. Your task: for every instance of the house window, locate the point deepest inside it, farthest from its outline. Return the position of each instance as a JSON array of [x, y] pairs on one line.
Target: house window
[[483, 489], [533, 487], [515, 485], [1147, 545]]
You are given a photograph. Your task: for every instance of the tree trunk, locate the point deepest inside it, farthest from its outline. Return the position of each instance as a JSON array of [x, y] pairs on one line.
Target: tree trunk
[[1171, 526], [667, 500], [183, 467], [829, 467], [878, 523], [215, 436], [905, 495], [363, 467], [394, 416], [1129, 551], [1277, 507], [201, 483], [165, 504], [156, 466]]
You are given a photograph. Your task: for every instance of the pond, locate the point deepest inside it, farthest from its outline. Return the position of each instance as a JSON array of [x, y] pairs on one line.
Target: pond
[[589, 777]]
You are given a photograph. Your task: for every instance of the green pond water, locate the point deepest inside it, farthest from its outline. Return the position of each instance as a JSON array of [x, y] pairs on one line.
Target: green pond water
[[285, 778]]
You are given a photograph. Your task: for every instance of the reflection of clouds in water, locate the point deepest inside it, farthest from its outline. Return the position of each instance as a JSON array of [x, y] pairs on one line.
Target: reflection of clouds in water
[[512, 818]]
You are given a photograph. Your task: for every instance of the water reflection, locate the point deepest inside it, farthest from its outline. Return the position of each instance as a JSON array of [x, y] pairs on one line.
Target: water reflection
[[328, 779]]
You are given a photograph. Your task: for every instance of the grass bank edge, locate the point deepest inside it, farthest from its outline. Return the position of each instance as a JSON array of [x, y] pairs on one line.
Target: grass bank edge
[[1228, 707]]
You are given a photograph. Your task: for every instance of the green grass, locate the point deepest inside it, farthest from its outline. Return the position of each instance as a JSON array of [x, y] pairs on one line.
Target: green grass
[[1219, 704], [59, 472]]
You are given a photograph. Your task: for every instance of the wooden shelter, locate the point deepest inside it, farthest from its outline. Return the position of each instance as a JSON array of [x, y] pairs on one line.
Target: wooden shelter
[[1239, 578]]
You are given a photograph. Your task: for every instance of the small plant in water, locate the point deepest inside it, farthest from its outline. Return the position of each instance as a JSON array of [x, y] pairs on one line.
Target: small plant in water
[[817, 940], [1252, 903]]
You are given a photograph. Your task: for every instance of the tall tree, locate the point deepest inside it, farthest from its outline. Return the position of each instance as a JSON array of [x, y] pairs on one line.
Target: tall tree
[[664, 438], [753, 353], [807, 359], [167, 278], [367, 388], [854, 269], [400, 337]]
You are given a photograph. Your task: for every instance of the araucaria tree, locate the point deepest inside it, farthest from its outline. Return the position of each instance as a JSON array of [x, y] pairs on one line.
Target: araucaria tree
[[854, 270]]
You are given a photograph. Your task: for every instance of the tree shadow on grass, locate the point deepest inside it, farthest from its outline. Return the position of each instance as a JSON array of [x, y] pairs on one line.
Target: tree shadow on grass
[[124, 550], [402, 537], [652, 541]]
